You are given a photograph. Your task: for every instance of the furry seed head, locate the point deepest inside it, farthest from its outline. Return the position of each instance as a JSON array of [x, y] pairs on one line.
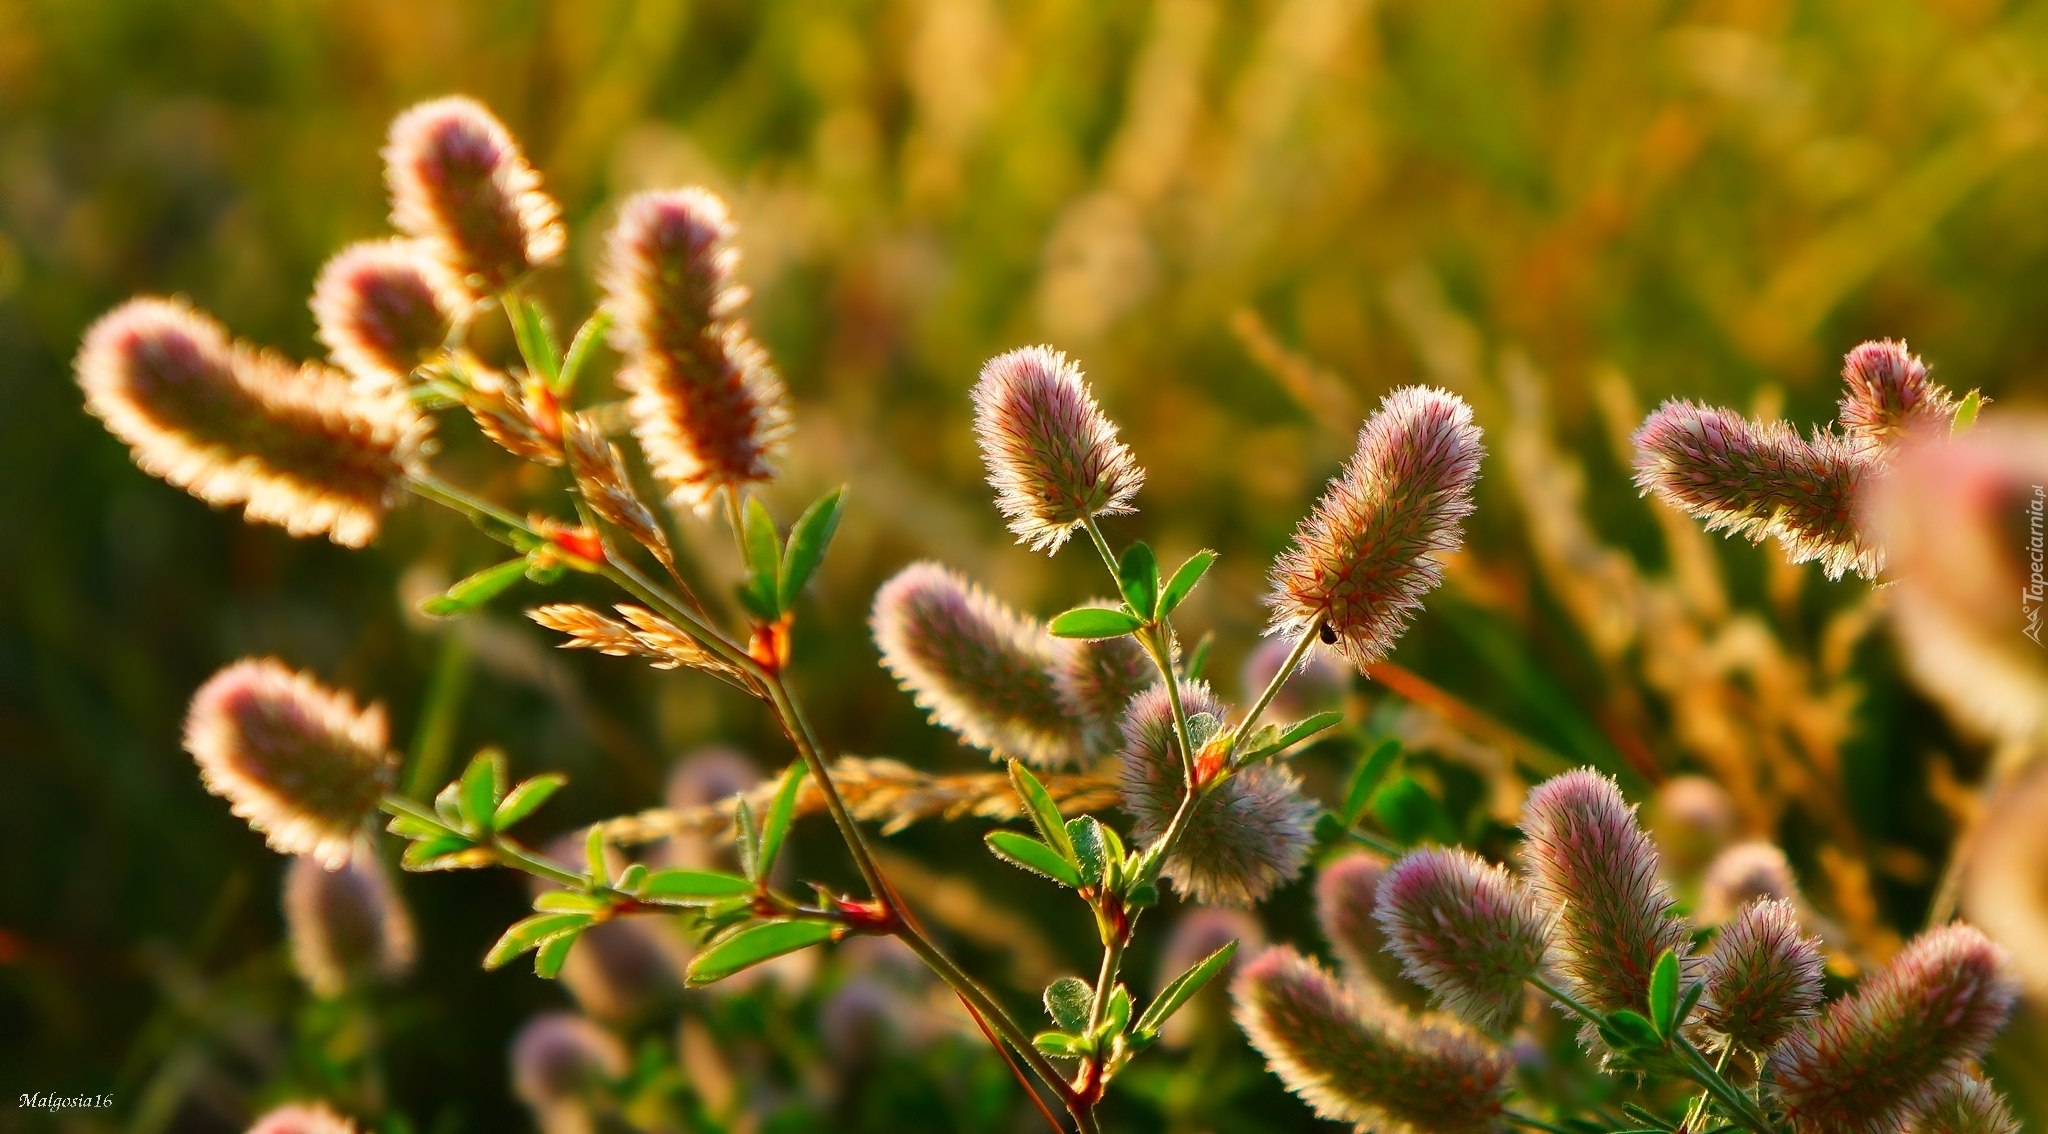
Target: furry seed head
[[1964, 1104], [1347, 894], [296, 760], [346, 926], [383, 307], [707, 407], [459, 181], [299, 1118], [1465, 929], [1889, 395], [1097, 680], [1361, 562], [559, 1057], [1763, 977], [1364, 1063], [978, 667], [1595, 874], [1248, 835], [295, 446], [1743, 873], [1052, 457], [1879, 1055], [1759, 479]]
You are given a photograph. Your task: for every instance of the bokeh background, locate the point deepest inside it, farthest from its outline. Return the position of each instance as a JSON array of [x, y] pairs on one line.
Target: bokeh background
[[1246, 220]]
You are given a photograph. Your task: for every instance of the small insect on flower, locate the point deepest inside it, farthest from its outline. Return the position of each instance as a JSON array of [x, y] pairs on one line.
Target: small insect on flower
[[1763, 977], [1366, 1063], [1053, 458], [296, 760], [1878, 1056], [346, 926], [298, 1118], [978, 667], [1889, 395], [1362, 560], [458, 180], [1465, 929], [383, 307], [1758, 480], [1964, 1104], [1347, 894], [295, 446], [1249, 835], [707, 407]]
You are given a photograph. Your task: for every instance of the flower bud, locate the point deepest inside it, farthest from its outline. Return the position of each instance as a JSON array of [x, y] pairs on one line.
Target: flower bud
[[382, 308], [978, 667], [1465, 929], [708, 409], [1347, 897], [298, 1118], [1880, 1055], [1097, 680], [1361, 562], [1248, 835], [1367, 1064], [459, 181], [1053, 458], [1757, 479], [1964, 1104], [1763, 977], [1594, 873], [1890, 395], [346, 926], [1743, 873], [295, 446], [296, 760]]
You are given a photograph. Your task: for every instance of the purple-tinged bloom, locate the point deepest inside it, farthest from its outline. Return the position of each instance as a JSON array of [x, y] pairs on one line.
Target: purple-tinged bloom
[[1743, 873], [383, 307], [1347, 895], [458, 180], [1097, 679], [1053, 458], [1964, 1104], [1889, 395], [1465, 929], [1763, 977], [346, 926]]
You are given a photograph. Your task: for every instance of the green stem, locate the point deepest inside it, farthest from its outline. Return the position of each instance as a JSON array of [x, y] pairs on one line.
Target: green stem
[[1739, 1105], [1272, 690], [1568, 1001], [519, 858], [1533, 1123], [434, 739]]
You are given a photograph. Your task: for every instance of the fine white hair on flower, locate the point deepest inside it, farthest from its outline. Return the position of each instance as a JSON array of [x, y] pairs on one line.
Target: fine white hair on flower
[[459, 181], [382, 307], [1053, 458], [301, 1118]]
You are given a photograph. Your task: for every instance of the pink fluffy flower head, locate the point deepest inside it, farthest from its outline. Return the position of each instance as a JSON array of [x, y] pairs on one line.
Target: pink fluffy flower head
[[383, 307], [295, 446], [1889, 395], [1743, 873], [1964, 1104], [458, 180], [300, 1118], [1053, 458], [1465, 929], [708, 408], [1249, 835], [346, 926], [1347, 897], [1878, 1056], [978, 667], [1367, 1063], [1763, 977], [296, 760], [1363, 559], [1758, 480], [1594, 873], [1097, 680]]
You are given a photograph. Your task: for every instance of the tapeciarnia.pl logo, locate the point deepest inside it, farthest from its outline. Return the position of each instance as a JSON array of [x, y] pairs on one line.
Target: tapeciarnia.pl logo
[[2031, 598]]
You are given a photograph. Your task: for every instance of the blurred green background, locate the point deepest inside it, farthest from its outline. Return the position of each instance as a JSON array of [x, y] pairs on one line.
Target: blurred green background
[[1247, 221]]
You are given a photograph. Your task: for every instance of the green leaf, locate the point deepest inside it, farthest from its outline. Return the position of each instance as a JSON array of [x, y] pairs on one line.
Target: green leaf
[[780, 812], [448, 804], [1067, 1001], [568, 901], [747, 836], [414, 828], [1117, 1013], [1634, 1030], [483, 784], [1041, 810], [635, 876], [1184, 579], [1198, 658], [1182, 988], [1085, 833], [1366, 779], [1093, 622], [526, 799], [451, 853], [762, 941], [1664, 993], [1137, 576], [1020, 849], [1202, 728], [1966, 413], [535, 334], [593, 854], [764, 559], [1648, 1117], [530, 932], [1293, 735], [474, 591], [679, 887], [1409, 813], [548, 959], [1688, 1002], [807, 543], [1061, 1045], [580, 349]]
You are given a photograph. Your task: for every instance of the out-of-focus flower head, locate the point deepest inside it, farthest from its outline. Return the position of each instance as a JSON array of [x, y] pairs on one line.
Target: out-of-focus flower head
[[1347, 894], [1248, 835], [1965, 521], [703, 777], [345, 925], [296, 760], [1744, 873], [1097, 679], [1759, 480], [1763, 977], [978, 667], [383, 307], [301, 1118], [458, 180], [1364, 1063], [1878, 1056], [1964, 1104], [1465, 929], [708, 409], [1692, 818], [1320, 683], [1362, 560], [1890, 396], [1052, 457], [295, 446], [559, 1062], [2005, 878]]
